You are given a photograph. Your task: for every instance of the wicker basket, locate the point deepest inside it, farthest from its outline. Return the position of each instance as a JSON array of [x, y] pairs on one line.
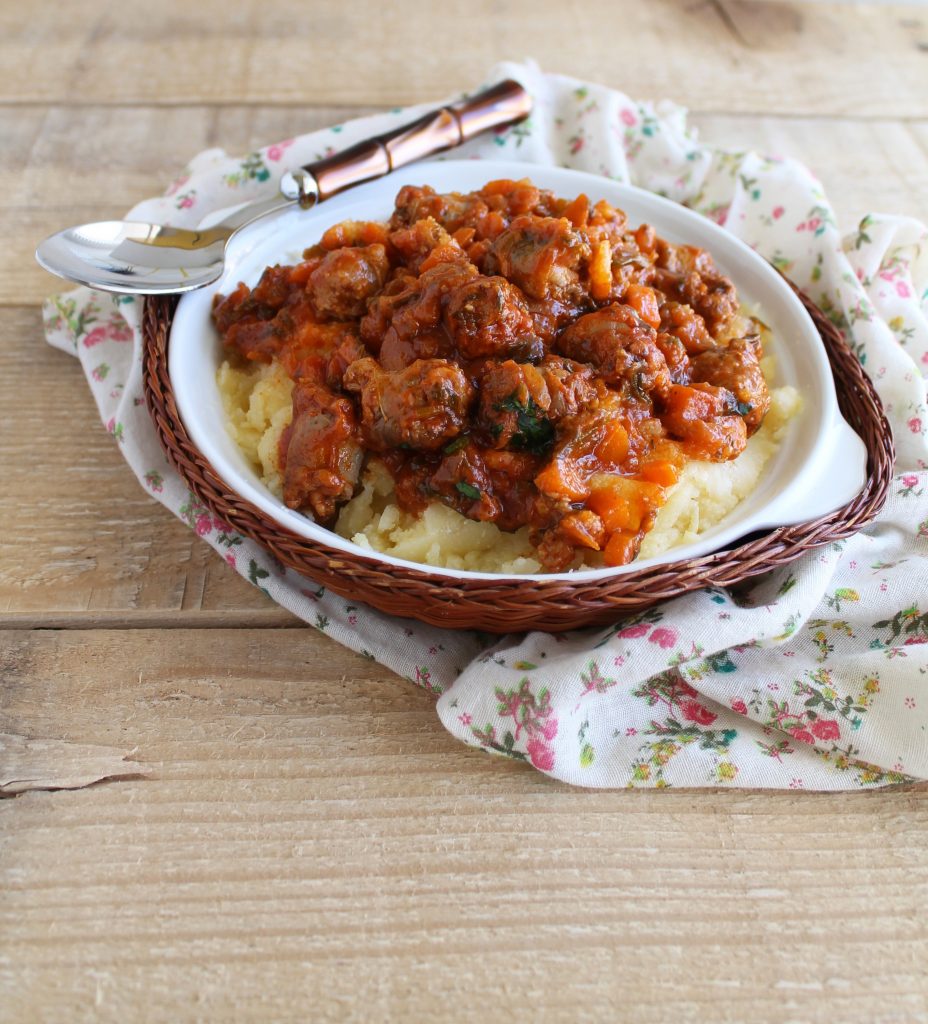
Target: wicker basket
[[503, 606]]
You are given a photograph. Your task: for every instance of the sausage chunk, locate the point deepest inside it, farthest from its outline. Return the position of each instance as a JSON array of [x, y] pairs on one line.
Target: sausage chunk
[[621, 346], [520, 403], [422, 406], [487, 317], [346, 279], [541, 255], [737, 369], [324, 454]]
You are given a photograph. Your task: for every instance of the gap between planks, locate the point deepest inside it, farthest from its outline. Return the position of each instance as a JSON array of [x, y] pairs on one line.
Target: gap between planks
[[363, 109]]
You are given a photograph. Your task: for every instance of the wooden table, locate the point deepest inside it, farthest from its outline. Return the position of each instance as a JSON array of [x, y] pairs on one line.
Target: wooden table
[[295, 835]]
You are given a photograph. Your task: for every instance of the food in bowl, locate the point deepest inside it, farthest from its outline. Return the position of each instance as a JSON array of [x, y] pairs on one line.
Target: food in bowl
[[502, 381]]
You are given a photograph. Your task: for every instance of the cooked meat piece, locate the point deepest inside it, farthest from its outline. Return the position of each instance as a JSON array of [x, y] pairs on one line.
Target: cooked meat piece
[[541, 255], [416, 204], [245, 317], [346, 279], [737, 369], [462, 482], [621, 346], [685, 323], [349, 351], [674, 353], [421, 407], [690, 275], [486, 316], [324, 453], [706, 419], [405, 322], [416, 243], [520, 403]]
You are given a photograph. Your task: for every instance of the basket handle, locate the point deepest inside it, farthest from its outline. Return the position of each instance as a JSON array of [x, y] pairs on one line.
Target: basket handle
[[503, 104]]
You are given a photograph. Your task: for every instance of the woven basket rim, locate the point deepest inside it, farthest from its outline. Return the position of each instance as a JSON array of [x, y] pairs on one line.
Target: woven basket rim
[[505, 604]]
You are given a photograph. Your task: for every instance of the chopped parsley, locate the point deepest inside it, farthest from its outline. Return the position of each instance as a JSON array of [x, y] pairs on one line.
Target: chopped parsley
[[533, 433], [456, 445], [468, 490]]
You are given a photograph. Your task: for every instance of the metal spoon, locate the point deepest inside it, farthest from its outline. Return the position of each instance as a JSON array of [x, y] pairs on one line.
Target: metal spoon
[[134, 257]]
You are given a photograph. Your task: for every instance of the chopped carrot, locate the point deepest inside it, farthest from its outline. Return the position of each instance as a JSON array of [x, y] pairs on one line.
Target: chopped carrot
[[577, 211], [464, 236], [601, 270], [583, 530], [491, 225], [621, 548], [644, 302], [560, 479], [616, 512], [663, 473], [614, 446]]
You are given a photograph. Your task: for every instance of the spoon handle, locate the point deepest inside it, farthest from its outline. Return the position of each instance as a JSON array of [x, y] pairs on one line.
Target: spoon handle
[[444, 128]]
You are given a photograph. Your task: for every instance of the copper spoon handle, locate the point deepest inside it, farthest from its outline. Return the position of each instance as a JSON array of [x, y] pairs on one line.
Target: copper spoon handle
[[435, 131]]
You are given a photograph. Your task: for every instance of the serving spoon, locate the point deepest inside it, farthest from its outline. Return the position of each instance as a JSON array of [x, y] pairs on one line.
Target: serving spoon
[[138, 258]]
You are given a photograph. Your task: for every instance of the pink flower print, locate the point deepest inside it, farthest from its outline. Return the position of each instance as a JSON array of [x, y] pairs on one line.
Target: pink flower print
[[902, 290], [628, 118], [465, 719], [916, 640], [95, 336], [549, 729], [795, 784], [693, 711], [778, 212], [910, 702], [111, 425], [803, 735], [352, 620], [230, 558], [185, 202], [825, 729], [909, 480], [120, 331], [222, 526], [739, 706], [814, 223], [203, 525], [631, 732], [633, 632], [276, 151], [663, 637], [542, 756], [915, 425]]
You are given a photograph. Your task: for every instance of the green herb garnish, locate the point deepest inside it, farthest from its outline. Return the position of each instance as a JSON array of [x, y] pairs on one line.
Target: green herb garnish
[[468, 490], [456, 445], [534, 433]]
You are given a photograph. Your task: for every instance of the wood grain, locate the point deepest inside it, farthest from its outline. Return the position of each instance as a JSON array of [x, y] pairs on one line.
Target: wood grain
[[308, 834], [826, 58], [309, 843]]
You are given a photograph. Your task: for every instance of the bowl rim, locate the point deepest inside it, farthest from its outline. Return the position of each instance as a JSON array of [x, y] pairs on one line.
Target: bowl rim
[[829, 429]]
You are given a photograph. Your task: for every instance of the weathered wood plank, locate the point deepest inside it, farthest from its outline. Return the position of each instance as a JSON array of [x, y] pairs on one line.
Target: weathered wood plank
[[825, 58], [309, 832], [80, 538]]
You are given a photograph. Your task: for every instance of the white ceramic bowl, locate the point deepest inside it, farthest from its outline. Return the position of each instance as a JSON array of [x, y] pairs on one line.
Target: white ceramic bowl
[[820, 465]]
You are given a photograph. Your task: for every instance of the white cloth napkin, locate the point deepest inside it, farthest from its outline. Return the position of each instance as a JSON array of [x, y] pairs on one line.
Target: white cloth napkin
[[816, 679]]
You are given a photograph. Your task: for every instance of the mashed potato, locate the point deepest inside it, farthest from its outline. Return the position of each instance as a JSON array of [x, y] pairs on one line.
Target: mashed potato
[[257, 401]]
